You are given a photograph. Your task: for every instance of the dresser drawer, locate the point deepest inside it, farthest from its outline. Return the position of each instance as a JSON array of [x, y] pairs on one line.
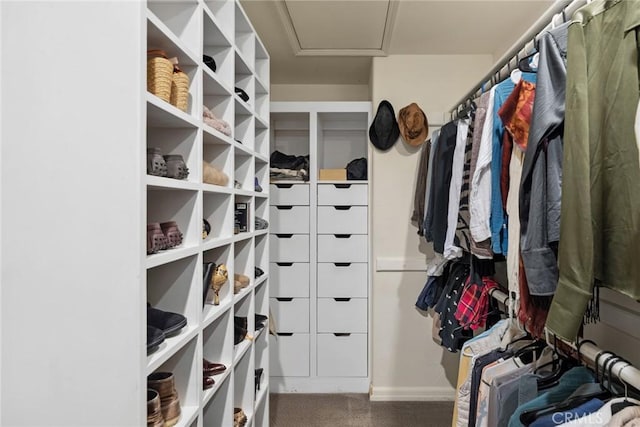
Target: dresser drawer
[[289, 247], [289, 194], [342, 194], [342, 355], [342, 248], [289, 355], [289, 219], [290, 314], [341, 280], [342, 315], [289, 279], [341, 220]]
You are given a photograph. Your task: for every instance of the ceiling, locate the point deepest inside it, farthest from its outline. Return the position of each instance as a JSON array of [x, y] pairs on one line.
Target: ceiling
[[332, 42]]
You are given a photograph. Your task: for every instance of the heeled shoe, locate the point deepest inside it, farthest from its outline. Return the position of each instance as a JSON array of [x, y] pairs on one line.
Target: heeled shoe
[[258, 378], [208, 269], [218, 280]]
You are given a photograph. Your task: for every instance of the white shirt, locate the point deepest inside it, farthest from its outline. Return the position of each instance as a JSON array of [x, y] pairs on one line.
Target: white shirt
[[513, 210], [480, 196], [451, 251], [601, 417], [637, 129]]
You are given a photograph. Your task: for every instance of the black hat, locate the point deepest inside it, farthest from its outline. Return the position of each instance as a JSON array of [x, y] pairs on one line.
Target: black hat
[[384, 131]]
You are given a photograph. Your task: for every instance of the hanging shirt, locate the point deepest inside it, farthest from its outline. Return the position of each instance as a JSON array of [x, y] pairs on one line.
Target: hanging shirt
[[600, 213], [600, 417], [463, 237], [499, 238], [481, 249], [451, 250], [480, 197], [421, 182], [561, 418], [629, 417]]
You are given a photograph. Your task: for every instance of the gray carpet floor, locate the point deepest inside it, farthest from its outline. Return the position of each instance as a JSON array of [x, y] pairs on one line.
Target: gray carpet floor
[[354, 410]]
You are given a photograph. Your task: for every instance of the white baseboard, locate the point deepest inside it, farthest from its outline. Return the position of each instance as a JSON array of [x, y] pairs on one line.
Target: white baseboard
[[429, 394]]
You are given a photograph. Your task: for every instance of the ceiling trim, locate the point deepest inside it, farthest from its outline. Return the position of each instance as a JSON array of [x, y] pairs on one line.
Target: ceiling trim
[[287, 23]]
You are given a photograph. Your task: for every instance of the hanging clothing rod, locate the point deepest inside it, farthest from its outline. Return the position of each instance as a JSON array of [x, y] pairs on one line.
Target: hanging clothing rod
[[524, 46], [589, 352]]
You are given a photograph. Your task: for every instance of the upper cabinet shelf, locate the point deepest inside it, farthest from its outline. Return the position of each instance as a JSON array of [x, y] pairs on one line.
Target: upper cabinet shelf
[[224, 12], [245, 37], [182, 18], [160, 36]]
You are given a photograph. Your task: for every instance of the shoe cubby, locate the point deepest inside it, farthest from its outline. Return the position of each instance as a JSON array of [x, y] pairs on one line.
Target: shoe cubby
[[218, 211], [244, 127], [171, 141], [342, 137], [261, 139], [159, 36], [182, 18], [224, 13], [262, 73], [218, 154], [218, 46], [244, 170], [244, 262], [262, 255], [219, 411], [262, 212], [218, 348], [245, 38], [244, 386], [261, 417], [220, 102], [261, 104], [262, 353], [219, 255], [262, 174], [185, 367], [165, 205]]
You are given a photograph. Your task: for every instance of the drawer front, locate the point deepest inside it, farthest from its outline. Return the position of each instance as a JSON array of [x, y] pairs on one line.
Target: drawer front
[[289, 355], [289, 279], [342, 355], [289, 248], [343, 315], [342, 248], [290, 314], [341, 220], [341, 280], [342, 194], [289, 219], [289, 194]]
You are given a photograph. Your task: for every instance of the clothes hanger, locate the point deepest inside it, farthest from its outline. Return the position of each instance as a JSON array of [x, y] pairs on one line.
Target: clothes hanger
[[516, 73]]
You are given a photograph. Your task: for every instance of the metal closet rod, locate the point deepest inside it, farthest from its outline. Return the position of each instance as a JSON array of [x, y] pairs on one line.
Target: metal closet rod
[[607, 363], [521, 48]]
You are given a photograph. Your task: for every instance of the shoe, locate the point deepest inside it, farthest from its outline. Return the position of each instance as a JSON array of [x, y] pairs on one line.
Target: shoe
[[260, 320], [240, 329], [239, 417], [220, 277], [258, 378], [261, 224], [206, 228], [210, 368], [156, 164], [169, 323], [154, 413], [176, 167], [237, 185], [172, 233], [242, 94], [207, 382], [156, 240], [257, 272], [256, 184], [240, 281], [208, 268], [164, 384], [155, 337], [209, 62]]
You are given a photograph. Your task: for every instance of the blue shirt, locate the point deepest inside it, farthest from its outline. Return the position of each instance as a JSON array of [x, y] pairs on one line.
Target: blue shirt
[[498, 223], [560, 418]]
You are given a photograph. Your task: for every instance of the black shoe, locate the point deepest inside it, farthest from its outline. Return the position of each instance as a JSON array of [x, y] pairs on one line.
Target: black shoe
[[258, 374], [155, 337], [260, 321], [257, 272], [260, 223], [169, 323], [208, 269], [240, 329], [209, 62]]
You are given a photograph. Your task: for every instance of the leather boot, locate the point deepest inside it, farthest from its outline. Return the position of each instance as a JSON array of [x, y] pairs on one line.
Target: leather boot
[[154, 415], [164, 384]]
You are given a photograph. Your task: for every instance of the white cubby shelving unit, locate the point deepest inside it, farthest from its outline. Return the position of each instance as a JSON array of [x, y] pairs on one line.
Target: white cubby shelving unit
[[91, 279], [320, 259]]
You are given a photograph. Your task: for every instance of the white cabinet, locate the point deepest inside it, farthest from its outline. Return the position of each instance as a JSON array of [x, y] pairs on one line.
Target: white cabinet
[[320, 279]]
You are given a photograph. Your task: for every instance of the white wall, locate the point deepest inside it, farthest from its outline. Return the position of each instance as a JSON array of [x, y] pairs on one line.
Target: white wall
[[291, 92], [406, 362]]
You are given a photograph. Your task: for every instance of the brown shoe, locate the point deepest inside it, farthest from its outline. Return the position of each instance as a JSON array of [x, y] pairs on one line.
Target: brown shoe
[[239, 418], [220, 277], [210, 368], [154, 415], [240, 281], [164, 384], [207, 382]]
